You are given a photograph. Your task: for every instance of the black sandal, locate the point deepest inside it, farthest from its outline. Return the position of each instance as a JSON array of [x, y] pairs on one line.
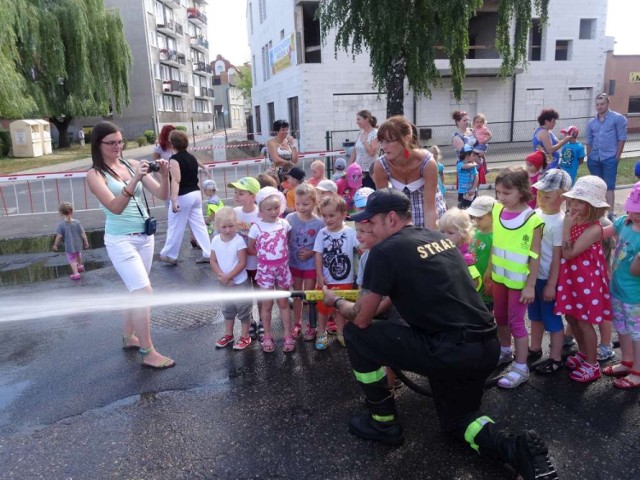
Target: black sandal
[[548, 366]]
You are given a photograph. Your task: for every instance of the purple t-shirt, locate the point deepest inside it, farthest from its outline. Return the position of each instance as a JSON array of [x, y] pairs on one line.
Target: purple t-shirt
[[302, 235]]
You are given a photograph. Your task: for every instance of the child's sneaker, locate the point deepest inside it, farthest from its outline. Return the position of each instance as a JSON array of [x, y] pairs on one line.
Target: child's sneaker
[[322, 342], [80, 268], [253, 331], [75, 276], [574, 361], [260, 331], [586, 373], [341, 341], [332, 329], [310, 334], [242, 343], [605, 352], [568, 341], [224, 341]]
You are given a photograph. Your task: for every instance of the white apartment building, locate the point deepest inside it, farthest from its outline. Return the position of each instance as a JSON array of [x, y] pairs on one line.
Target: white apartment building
[[301, 80], [170, 81]]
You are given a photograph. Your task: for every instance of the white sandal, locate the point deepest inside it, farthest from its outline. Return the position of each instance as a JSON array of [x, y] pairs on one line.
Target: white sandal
[[514, 378]]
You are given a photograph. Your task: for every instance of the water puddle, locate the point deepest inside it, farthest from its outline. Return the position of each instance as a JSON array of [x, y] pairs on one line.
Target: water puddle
[[39, 271], [8, 393], [42, 244], [31, 259]]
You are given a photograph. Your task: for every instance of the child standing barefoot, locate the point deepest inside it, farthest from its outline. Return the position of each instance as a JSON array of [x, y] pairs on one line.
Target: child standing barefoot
[[72, 234], [583, 286], [268, 239], [517, 234], [625, 293], [228, 262], [334, 247], [304, 229]]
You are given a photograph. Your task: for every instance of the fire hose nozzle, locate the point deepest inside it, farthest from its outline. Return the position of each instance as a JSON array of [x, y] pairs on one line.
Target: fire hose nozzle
[[318, 295]]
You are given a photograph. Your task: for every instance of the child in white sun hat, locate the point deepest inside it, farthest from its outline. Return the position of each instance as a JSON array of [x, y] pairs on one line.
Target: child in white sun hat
[[583, 284]]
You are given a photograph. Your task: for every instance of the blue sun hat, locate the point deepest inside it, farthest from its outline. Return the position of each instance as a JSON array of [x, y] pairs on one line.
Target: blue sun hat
[[360, 198]]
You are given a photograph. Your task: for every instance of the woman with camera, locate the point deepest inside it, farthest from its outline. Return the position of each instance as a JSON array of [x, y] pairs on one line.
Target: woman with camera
[[128, 236], [186, 203]]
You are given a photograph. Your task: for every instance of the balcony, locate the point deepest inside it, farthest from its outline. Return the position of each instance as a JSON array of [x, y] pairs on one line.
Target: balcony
[[197, 17], [200, 43], [170, 28], [171, 3], [174, 87], [173, 58], [203, 92], [201, 68]]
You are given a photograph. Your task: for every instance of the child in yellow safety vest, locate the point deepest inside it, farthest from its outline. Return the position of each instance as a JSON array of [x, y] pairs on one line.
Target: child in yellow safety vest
[[517, 236]]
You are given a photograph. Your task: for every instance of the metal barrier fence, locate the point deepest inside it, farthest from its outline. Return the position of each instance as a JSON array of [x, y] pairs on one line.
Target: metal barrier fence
[[502, 132], [42, 193]]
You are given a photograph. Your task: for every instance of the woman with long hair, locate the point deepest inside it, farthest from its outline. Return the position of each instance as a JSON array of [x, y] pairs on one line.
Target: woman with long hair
[[410, 169], [163, 149], [118, 185], [366, 148]]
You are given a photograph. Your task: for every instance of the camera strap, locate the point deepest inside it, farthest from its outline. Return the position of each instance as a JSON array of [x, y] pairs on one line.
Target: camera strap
[[142, 187]]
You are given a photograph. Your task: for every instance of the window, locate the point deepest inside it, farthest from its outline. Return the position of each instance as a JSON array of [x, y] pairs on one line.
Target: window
[[253, 69], [271, 116], [634, 106], [258, 121], [587, 29], [266, 69], [168, 103], [159, 104], [152, 38], [311, 33], [156, 71], [563, 50], [612, 87], [281, 34], [294, 120], [263, 10], [535, 41], [177, 104], [251, 18], [162, 41]]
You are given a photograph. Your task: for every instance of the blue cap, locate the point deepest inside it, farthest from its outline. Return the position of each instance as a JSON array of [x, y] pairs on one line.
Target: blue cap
[[637, 170]]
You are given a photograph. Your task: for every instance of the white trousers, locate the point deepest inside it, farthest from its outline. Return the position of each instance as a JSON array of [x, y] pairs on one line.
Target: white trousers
[[190, 212]]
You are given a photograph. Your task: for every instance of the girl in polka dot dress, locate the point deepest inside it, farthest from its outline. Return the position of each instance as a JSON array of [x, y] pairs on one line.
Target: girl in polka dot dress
[[583, 284]]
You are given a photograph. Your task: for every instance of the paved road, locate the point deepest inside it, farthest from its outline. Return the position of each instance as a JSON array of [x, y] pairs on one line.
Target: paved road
[[73, 405]]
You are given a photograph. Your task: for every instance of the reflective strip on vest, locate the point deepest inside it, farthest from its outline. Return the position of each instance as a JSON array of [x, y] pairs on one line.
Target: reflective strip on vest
[[474, 429], [370, 377], [383, 418]]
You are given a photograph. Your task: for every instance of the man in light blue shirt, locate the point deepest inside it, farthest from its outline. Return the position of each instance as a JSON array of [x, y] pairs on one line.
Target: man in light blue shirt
[[606, 136]]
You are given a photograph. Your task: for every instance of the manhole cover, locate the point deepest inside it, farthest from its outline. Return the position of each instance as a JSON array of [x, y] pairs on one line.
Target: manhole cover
[[186, 317]]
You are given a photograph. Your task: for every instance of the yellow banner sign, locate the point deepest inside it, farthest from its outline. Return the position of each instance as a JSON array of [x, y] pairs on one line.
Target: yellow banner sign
[[634, 77]]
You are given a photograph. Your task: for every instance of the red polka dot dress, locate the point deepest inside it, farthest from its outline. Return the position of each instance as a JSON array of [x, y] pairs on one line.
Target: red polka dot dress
[[583, 283]]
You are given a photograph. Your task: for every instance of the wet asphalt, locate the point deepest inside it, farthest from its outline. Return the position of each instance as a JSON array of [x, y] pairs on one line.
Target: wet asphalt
[[74, 405]]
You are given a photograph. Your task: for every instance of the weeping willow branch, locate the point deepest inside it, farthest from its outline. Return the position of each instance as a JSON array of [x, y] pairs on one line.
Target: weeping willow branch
[[408, 32]]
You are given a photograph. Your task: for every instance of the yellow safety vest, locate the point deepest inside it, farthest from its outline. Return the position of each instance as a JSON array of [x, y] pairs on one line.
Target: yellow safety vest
[[511, 250]]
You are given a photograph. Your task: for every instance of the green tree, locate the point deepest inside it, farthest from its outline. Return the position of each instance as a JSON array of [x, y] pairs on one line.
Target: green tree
[[72, 57], [245, 81], [401, 37]]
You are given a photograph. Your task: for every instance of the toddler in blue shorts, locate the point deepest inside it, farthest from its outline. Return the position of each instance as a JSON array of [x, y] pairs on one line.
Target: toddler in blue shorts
[[550, 187]]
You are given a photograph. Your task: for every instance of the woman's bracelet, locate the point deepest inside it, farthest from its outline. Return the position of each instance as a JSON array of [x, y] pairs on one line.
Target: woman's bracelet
[[125, 193]]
